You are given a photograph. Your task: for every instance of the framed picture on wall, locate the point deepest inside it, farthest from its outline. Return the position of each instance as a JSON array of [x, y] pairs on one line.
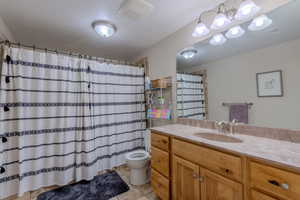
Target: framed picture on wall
[[269, 84]]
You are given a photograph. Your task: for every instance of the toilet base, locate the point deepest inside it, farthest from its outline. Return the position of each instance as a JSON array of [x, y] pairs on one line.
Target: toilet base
[[139, 176]]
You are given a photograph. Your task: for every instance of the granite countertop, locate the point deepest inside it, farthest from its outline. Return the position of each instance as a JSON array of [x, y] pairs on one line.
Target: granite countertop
[[278, 151]]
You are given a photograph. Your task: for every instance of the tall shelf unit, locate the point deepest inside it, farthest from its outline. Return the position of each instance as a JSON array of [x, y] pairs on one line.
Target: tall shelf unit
[[159, 102]]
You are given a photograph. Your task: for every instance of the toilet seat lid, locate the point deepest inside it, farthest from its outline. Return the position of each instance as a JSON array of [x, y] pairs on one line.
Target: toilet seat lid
[[137, 155]]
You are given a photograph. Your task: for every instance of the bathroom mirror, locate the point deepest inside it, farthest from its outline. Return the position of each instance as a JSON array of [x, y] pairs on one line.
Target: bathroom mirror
[[255, 77]]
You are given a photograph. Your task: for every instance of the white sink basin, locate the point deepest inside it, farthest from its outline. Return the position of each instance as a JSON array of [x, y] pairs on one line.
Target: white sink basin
[[218, 137]]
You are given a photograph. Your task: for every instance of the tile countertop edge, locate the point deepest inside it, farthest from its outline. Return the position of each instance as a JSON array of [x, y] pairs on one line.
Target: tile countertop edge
[[276, 163]]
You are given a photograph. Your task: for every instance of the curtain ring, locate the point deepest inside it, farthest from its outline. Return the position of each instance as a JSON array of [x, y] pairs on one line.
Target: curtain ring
[[33, 47], [46, 50], [19, 45]]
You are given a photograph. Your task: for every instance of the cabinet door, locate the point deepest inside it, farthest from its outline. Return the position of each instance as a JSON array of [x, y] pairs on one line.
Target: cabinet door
[[216, 187], [186, 184]]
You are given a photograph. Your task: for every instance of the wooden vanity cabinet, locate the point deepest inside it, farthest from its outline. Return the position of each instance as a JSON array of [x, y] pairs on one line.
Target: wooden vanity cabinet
[[185, 180], [192, 181], [183, 170], [215, 187], [278, 182], [160, 165]]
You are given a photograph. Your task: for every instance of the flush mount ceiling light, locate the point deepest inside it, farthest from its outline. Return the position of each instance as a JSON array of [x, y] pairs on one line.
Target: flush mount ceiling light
[[235, 32], [221, 20], [201, 29], [189, 53], [104, 28], [217, 40], [260, 23], [246, 10]]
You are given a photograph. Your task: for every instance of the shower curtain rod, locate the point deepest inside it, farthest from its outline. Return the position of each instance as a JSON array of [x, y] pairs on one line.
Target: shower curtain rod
[[73, 54]]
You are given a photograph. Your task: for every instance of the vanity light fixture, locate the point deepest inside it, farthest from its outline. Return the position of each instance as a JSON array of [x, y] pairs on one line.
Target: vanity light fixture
[[260, 23], [217, 40], [235, 32], [201, 29], [221, 20], [246, 10], [189, 53], [104, 28]]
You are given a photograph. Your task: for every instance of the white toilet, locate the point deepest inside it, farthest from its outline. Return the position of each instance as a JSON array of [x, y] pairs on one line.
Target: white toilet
[[138, 162]]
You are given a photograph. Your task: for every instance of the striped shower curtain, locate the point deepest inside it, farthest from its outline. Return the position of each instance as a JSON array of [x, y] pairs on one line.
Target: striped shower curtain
[[190, 96], [65, 118]]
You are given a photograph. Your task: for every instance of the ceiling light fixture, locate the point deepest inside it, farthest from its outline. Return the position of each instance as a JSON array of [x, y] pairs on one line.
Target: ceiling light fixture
[[221, 20], [104, 28], [235, 32], [217, 40], [201, 29], [246, 10], [189, 53], [260, 23]]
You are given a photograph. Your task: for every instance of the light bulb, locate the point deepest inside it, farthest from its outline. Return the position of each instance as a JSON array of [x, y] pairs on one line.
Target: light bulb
[[217, 39], [220, 21], [235, 32], [200, 30], [246, 10], [260, 23]]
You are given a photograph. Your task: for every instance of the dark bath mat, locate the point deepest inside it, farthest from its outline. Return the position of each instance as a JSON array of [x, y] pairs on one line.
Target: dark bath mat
[[102, 187]]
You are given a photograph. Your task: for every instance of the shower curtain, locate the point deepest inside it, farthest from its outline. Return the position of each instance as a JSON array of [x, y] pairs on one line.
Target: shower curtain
[[65, 118], [190, 96]]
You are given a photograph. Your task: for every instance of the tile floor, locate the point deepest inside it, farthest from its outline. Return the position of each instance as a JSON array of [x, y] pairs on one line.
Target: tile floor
[[136, 192]]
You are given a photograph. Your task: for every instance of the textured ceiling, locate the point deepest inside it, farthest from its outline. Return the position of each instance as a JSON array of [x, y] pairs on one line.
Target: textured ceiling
[[66, 24]]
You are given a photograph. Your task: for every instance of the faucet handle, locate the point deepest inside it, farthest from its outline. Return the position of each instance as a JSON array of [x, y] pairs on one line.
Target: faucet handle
[[234, 121]]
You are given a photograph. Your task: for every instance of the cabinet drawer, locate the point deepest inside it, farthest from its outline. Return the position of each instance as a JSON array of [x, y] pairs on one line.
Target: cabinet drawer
[[160, 141], [275, 181], [222, 163], [160, 161], [160, 185], [260, 196]]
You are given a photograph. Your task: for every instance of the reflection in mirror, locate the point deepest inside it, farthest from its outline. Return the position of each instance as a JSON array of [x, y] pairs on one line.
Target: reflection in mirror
[[191, 95], [253, 79]]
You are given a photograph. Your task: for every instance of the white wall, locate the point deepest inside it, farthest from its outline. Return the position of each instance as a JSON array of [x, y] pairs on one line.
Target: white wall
[[5, 33], [234, 80]]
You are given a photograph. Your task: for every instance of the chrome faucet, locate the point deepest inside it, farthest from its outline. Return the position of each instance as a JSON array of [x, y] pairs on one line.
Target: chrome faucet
[[232, 124], [221, 126], [226, 127]]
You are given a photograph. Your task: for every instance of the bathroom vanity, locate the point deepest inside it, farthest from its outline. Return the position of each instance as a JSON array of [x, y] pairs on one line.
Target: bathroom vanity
[[192, 163]]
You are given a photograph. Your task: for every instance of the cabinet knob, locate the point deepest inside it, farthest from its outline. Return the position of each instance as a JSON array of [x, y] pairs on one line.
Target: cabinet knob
[[285, 186], [199, 178], [226, 171]]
